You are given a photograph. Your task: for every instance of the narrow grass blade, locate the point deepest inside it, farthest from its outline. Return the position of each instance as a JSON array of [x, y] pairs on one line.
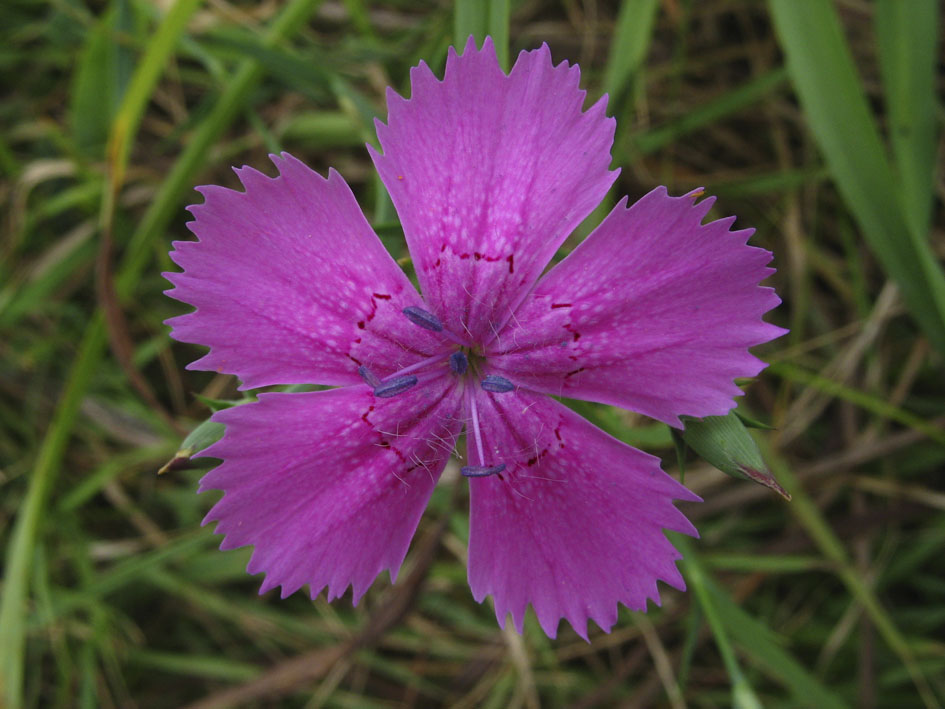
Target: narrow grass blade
[[16, 570], [813, 522], [743, 696], [829, 89], [178, 181], [149, 69], [208, 666], [907, 38], [866, 401], [755, 637], [652, 140], [309, 74]]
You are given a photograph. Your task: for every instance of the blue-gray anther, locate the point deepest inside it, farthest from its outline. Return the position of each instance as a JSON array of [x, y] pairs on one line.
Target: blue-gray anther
[[423, 318], [394, 387], [481, 471], [497, 384], [458, 363], [369, 377]]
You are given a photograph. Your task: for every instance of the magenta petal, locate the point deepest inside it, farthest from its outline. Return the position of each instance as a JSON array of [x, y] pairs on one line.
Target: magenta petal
[[653, 312], [489, 174], [291, 284], [329, 486], [574, 525]]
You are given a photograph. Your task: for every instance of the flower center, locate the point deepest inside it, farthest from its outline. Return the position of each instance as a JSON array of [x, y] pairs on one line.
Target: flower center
[[463, 362]]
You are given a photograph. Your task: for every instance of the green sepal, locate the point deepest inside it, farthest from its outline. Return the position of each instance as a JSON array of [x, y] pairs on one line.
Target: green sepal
[[752, 422], [219, 404], [679, 445], [205, 435], [724, 442]]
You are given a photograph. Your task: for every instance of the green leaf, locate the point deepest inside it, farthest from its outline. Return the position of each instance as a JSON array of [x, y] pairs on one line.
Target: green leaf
[[629, 46], [470, 18], [498, 28], [829, 89], [479, 18], [907, 38], [100, 79], [723, 441]]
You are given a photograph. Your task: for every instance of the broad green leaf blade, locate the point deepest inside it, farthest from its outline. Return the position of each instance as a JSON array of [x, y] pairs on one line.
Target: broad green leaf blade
[[907, 38], [629, 46], [498, 29], [829, 89], [479, 18], [725, 442], [100, 80], [470, 17]]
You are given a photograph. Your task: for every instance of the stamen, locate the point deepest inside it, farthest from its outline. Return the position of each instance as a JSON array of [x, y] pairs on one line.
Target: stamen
[[481, 471], [423, 318], [369, 377], [478, 471], [459, 363], [497, 384], [395, 387]]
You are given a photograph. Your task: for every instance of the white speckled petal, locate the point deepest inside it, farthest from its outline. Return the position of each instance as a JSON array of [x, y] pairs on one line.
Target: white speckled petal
[[653, 312], [574, 525], [329, 486], [291, 284], [489, 174]]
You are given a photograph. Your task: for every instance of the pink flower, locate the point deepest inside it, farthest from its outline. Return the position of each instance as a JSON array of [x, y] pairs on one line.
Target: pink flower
[[489, 173]]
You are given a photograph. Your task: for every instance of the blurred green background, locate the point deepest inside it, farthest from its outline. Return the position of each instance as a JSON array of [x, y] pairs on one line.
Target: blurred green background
[[816, 122]]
